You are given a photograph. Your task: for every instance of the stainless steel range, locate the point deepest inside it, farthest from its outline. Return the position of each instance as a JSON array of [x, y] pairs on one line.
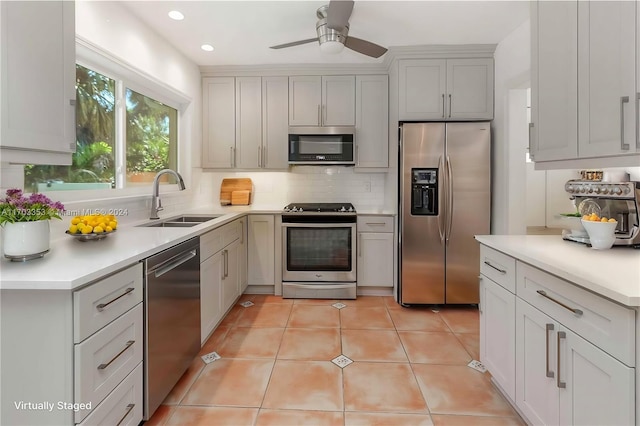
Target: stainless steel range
[[319, 251]]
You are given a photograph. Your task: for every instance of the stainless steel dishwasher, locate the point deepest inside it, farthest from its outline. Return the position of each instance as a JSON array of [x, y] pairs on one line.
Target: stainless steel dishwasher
[[172, 319]]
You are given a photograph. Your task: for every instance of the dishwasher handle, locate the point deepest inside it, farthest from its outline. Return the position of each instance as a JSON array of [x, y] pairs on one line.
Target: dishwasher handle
[[173, 263]]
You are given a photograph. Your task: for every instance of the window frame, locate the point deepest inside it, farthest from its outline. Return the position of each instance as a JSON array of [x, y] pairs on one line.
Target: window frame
[[126, 76]]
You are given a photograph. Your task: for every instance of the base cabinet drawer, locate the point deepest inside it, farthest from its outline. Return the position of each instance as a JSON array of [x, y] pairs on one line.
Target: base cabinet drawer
[[100, 303], [499, 267], [606, 324], [123, 406], [106, 358]]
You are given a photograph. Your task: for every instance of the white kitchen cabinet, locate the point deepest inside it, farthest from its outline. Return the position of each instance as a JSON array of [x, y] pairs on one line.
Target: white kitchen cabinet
[[275, 123], [210, 294], [446, 89], [248, 119], [243, 261], [372, 121], [498, 334], [375, 251], [221, 257], [554, 80], [261, 249], [101, 363], [606, 78], [563, 379], [38, 82], [322, 100], [583, 86], [219, 126], [230, 274]]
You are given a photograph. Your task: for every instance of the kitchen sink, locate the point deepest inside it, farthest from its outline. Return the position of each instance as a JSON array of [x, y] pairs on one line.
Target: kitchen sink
[[183, 221]]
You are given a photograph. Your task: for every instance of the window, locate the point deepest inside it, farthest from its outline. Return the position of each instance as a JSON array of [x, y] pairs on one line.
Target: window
[[104, 158]]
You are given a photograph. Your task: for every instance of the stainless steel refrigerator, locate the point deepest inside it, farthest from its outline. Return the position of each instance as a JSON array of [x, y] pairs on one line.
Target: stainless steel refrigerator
[[445, 199]]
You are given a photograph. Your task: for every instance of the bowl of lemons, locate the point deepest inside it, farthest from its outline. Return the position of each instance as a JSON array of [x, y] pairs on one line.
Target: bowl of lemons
[[601, 230], [92, 227]]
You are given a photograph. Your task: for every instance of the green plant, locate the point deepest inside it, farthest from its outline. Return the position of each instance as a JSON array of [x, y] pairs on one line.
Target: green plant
[[15, 207]]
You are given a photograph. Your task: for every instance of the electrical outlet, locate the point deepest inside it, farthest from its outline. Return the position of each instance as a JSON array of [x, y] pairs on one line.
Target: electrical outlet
[[367, 186], [210, 357], [341, 361]]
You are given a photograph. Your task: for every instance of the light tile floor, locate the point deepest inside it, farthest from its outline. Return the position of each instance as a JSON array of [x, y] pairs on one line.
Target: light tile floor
[[409, 368]]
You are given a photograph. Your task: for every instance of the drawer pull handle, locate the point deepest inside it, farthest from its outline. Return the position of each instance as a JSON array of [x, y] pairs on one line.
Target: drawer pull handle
[[560, 383], [549, 328], [376, 223], [101, 306], [502, 271], [129, 408], [543, 293], [127, 346]]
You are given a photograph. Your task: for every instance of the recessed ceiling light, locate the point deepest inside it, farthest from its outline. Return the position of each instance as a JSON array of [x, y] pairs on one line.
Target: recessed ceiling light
[[207, 47], [174, 14]]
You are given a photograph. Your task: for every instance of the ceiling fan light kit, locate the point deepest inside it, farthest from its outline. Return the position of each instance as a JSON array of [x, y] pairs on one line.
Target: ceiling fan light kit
[[332, 29]]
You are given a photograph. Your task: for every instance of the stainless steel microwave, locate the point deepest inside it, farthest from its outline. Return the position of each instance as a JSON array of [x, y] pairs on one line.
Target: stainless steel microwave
[[322, 145]]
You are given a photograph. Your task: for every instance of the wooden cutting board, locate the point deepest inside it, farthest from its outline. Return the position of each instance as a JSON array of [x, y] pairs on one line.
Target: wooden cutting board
[[236, 191]]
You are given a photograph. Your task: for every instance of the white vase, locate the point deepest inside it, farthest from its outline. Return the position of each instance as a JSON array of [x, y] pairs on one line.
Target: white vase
[[25, 239]]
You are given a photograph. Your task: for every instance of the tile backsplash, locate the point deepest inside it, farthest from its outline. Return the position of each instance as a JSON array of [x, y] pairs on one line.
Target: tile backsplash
[[304, 184]]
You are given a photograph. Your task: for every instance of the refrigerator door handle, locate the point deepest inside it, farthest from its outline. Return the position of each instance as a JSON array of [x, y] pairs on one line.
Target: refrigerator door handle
[[449, 199], [443, 210]]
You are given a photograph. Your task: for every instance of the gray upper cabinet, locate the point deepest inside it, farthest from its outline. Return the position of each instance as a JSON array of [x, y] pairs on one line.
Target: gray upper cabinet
[[554, 81], [38, 82], [245, 122], [322, 100], [275, 129], [219, 122], [372, 121], [584, 91], [248, 145], [446, 89]]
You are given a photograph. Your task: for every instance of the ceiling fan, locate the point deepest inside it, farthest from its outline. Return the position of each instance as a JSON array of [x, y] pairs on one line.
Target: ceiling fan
[[333, 31]]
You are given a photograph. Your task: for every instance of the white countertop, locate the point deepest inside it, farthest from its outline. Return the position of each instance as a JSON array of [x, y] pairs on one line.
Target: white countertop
[[613, 273], [71, 263]]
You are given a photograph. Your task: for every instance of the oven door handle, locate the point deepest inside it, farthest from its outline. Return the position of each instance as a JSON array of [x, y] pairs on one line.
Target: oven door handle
[[318, 225], [323, 286]]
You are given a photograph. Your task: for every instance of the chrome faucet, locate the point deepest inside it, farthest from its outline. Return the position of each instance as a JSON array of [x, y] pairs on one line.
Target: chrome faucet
[[156, 204]]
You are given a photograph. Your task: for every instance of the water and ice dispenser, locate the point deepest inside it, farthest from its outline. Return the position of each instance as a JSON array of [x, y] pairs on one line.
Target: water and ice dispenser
[[424, 192]]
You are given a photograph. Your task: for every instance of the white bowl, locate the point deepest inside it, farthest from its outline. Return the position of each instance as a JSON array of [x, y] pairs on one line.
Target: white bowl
[[601, 234]]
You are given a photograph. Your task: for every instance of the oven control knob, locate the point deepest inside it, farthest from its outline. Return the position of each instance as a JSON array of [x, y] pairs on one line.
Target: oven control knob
[[294, 209], [616, 191], [605, 189], [597, 190], [300, 210], [590, 190], [342, 209], [626, 190], [351, 209]]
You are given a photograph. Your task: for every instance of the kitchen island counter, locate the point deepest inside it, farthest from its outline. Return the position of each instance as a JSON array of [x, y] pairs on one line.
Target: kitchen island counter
[[613, 273]]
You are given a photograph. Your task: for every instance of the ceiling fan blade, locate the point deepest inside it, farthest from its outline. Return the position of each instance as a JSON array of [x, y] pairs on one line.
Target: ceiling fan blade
[[294, 43], [365, 47], [339, 13]]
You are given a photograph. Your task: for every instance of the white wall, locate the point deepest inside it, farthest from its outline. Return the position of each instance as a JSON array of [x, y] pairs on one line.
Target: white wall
[[512, 64]]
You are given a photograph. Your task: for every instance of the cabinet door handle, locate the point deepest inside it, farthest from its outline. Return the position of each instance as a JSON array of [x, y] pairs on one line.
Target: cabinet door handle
[[264, 156], [549, 372], [623, 146], [230, 156], [359, 245], [259, 156], [101, 306], [324, 114], [222, 266], [241, 232], [449, 105], [357, 156], [560, 383], [530, 140], [126, 346], [225, 254], [319, 119], [129, 408], [443, 108], [543, 293], [481, 293], [637, 121], [502, 271]]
